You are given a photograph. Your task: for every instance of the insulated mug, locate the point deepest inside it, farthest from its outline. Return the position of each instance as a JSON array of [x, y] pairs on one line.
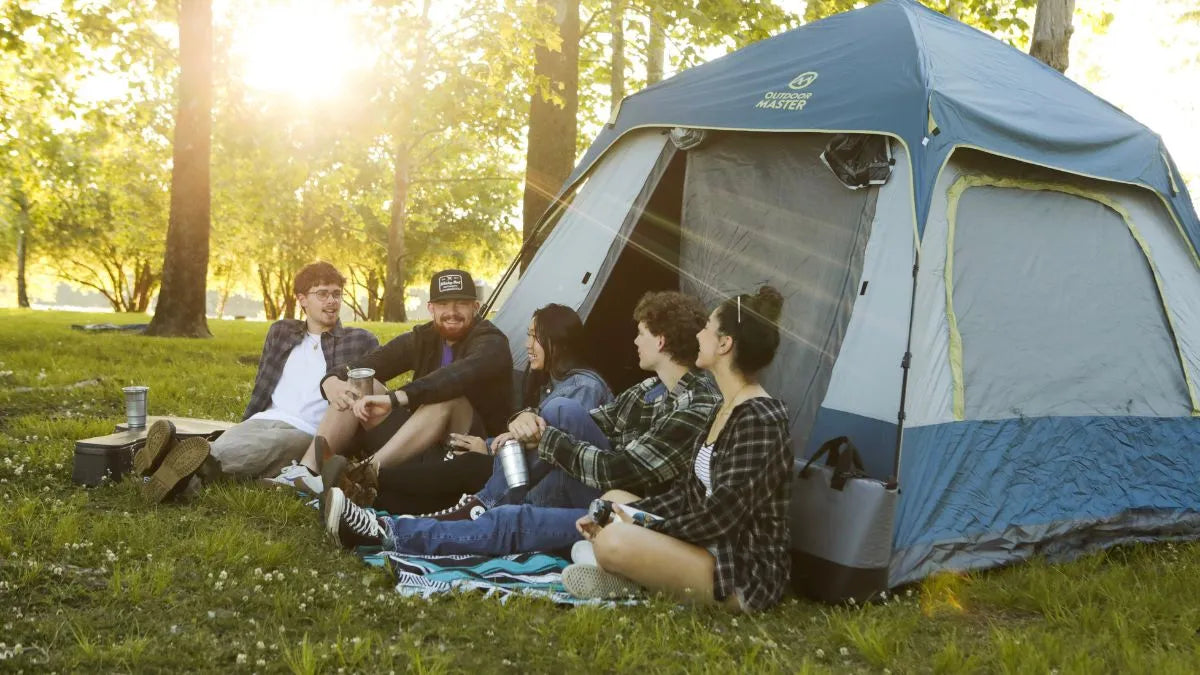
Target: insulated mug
[[512, 460], [362, 380], [135, 406]]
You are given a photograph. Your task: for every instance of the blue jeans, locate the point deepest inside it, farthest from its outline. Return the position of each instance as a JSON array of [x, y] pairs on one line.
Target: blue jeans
[[499, 531], [548, 484]]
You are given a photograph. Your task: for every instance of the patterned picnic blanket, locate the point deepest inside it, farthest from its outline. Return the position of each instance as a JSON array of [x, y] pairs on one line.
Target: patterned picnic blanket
[[525, 574]]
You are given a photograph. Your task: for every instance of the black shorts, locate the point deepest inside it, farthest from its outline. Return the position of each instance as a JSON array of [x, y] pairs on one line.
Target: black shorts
[[369, 441]]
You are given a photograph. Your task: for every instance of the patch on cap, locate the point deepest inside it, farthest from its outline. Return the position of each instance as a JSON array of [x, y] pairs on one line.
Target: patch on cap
[[450, 282]]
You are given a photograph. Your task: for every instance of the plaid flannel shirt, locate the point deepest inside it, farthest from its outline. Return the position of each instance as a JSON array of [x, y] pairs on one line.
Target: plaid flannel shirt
[[745, 519], [340, 345], [651, 431]]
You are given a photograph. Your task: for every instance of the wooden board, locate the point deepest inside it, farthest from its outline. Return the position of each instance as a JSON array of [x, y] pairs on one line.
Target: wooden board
[[184, 426]]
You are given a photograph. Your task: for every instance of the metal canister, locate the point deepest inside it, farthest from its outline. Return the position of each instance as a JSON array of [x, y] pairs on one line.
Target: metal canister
[[362, 381], [512, 460], [136, 404]]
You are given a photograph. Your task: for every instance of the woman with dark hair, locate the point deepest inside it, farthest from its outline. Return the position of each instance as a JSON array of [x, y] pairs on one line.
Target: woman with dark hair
[[720, 533], [555, 344]]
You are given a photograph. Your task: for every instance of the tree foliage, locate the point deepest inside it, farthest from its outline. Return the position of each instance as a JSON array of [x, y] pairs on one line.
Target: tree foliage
[[416, 165]]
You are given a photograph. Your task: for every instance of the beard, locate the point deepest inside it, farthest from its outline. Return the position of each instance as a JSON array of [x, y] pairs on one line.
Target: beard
[[452, 333]]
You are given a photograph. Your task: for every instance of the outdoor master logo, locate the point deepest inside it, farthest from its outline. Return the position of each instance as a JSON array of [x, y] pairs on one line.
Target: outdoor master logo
[[790, 100]]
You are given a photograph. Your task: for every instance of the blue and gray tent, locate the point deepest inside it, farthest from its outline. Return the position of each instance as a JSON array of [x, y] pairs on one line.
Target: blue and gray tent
[[1054, 330]]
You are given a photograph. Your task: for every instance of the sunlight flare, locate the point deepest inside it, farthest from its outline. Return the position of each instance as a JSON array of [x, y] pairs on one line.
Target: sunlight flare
[[307, 51]]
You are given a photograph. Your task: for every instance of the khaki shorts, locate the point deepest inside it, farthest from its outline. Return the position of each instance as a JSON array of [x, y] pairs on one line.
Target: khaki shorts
[[257, 448]]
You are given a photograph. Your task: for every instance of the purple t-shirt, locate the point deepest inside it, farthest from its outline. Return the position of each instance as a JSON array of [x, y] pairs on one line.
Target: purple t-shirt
[[447, 355]]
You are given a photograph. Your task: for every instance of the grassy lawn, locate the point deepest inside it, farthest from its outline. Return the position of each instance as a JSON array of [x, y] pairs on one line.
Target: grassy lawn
[[241, 579]]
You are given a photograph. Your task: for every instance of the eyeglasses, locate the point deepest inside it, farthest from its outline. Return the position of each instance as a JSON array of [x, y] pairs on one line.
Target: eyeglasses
[[324, 295]]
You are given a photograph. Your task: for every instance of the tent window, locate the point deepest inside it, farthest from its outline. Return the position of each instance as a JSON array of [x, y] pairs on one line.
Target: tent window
[[1057, 310]]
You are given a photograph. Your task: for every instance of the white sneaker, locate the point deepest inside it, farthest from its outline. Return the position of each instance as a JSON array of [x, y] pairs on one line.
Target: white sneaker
[[582, 553], [296, 475], [589, 581]]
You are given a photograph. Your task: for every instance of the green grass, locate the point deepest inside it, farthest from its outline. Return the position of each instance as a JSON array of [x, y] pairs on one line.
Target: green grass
[[240, 579]]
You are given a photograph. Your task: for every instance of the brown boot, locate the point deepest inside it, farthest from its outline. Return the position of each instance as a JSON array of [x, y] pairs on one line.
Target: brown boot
[[359, 481], [160, 438]]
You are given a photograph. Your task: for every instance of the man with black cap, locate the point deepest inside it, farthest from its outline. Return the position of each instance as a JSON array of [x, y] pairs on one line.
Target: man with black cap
[[461, 382]]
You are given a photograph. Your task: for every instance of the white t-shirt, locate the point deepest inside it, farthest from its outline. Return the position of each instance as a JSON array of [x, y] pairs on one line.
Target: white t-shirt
[[297, 397]]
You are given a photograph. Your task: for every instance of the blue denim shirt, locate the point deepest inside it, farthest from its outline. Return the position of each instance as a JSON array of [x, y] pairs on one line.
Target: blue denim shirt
[[582, 385]]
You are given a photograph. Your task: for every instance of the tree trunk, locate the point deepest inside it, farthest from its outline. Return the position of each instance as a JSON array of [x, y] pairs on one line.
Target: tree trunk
[[617, 14], [954, 10], [1052, 33], [550, 155], [23, 221], [144, 281], [397, 245], [373, 304], [270, 309], [181, 304], [393, 296], [656, 48]]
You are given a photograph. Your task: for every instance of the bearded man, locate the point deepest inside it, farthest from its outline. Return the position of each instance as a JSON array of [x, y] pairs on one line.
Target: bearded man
[[461, 383]]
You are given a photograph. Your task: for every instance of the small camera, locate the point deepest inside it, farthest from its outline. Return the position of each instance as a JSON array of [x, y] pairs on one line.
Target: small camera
[[601, 511]]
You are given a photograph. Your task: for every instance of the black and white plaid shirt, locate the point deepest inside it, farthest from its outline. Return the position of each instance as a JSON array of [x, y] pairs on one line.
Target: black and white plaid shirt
[[744, 522], [651, 432], [340, 345]]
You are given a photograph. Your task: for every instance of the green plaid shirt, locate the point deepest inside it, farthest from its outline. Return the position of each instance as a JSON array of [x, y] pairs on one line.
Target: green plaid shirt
[[652, 433]]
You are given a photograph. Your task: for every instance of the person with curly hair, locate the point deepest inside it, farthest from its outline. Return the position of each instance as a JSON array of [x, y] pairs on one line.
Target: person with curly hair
[[641, 441], [720, 534]]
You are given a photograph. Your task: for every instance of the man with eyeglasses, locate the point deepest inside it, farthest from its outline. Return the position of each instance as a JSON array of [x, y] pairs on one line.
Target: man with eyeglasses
[[286, 404], [461, 382]]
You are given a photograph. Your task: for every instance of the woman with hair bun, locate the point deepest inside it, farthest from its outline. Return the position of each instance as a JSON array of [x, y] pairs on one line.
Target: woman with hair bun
[[720, 533]]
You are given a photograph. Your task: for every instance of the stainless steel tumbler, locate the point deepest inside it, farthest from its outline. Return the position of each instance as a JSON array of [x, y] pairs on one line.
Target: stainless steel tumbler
[[512, 460], [136, 400], [362, 380]]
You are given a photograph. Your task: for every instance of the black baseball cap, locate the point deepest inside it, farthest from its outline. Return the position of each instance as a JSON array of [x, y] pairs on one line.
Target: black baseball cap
[[452, 285]]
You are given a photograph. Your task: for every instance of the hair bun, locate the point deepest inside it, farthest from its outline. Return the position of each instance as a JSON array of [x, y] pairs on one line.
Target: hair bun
[[768, 302]]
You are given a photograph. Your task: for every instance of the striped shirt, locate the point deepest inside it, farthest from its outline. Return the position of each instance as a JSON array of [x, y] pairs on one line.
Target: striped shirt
[[703, 467]]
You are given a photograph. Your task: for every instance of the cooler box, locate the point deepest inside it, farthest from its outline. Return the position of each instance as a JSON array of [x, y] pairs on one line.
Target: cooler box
[[112, 455]]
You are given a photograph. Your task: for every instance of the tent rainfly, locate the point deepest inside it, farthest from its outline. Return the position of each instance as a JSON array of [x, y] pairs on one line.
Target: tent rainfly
[[1017, 264]]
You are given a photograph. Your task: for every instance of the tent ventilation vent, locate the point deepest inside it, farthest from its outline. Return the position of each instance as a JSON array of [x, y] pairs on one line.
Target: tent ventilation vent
[[688, 139], [859, 160]]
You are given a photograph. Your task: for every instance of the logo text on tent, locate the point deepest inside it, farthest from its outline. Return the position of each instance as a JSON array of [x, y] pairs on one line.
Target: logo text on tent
[[789, 100], [802, 80]]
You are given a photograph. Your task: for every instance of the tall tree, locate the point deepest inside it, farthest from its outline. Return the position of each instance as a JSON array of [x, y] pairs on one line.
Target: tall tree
[[617, 81], [553, 107], [181, 304], [402, 163], [656, 47], [1052, 33]]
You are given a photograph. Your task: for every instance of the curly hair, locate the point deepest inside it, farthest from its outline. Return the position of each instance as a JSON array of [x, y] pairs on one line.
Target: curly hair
[[675, 317], [317, 274]]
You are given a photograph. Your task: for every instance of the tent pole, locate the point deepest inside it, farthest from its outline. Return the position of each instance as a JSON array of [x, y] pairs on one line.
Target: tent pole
[[905, 363], [487, 306]]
